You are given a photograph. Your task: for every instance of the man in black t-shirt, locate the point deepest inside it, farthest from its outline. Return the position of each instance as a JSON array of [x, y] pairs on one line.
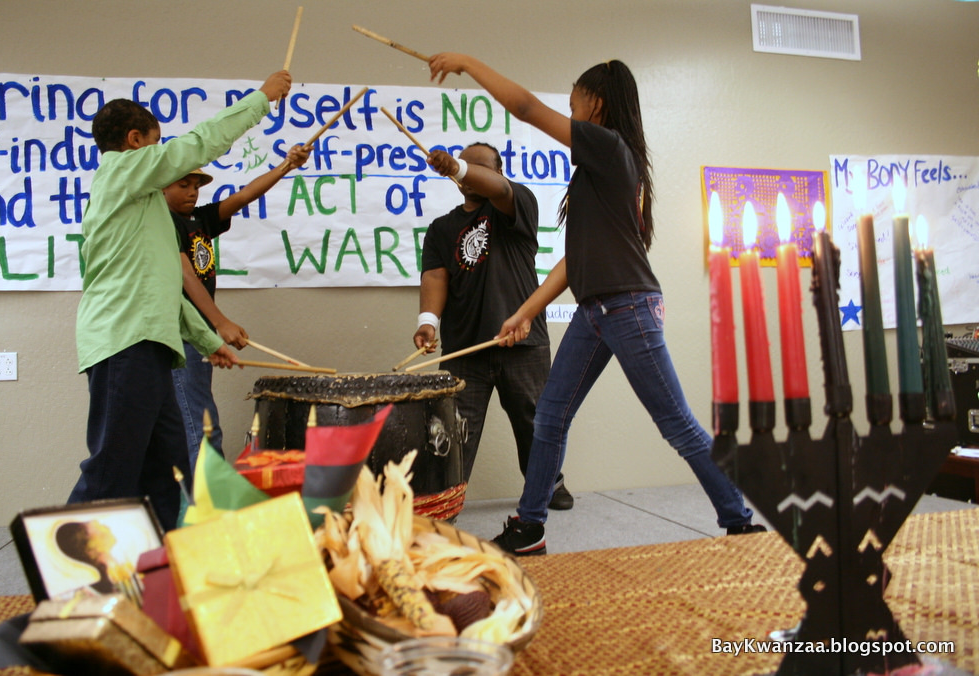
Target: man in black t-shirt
[[477, 268]]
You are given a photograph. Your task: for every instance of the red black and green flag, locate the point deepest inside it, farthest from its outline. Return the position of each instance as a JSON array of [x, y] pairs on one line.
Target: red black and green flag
[[334, 456]]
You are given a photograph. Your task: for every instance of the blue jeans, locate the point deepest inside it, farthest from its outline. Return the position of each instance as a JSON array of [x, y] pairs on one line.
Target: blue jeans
[[518, 375], [629, 326], [135, 436], [192, 385]]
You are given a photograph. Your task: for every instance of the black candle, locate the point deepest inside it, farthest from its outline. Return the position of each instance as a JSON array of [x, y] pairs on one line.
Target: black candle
[[825, 282]]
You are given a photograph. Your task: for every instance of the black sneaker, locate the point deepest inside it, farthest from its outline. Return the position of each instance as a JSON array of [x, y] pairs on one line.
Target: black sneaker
[[746, 528], [521, 539], [561, 499]]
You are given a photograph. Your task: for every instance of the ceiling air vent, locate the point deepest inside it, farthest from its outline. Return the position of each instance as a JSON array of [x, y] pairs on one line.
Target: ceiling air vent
[[783, 30]]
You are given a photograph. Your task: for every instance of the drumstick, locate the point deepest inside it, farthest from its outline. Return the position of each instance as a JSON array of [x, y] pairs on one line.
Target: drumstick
[[414, 355], [285, 367], [336, 117], [272, 352], [286, 165], [409, 135], [391, 43], [292, 40], [292, 46], [458, 353], [403, 130]]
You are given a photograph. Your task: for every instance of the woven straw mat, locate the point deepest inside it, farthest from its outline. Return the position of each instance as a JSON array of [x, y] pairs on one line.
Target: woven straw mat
[[655, 609]]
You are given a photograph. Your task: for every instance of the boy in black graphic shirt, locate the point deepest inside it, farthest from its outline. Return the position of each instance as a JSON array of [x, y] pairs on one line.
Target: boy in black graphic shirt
[[196, 229]]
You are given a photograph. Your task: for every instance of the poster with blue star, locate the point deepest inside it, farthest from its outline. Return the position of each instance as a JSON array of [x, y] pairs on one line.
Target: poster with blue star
[[939, 192]]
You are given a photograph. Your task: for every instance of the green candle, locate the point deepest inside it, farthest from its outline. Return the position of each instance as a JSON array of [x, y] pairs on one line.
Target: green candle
[[908, 359], [874, 353], [939, 384]]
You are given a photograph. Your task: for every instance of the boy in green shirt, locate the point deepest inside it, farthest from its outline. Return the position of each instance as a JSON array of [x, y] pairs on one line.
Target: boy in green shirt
[[132, 317]]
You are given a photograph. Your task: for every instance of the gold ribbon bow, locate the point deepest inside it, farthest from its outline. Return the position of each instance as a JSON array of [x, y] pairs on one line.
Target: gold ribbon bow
[[243, 584]]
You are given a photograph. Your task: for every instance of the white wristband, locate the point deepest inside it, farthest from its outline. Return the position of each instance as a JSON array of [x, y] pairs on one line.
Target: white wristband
[[463, 168], [428, 318]]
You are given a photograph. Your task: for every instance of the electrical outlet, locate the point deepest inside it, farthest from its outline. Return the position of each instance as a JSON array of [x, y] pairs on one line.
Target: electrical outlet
[[8, 366]]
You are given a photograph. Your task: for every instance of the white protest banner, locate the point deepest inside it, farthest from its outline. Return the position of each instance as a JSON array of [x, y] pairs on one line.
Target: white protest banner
[[945, 190], [355, 215]]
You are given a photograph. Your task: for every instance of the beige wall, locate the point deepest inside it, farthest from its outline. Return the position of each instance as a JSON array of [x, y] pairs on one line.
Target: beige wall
[[708, 100]]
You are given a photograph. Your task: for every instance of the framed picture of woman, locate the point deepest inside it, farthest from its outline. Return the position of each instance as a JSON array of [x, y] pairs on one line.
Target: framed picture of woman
[[92, 546]]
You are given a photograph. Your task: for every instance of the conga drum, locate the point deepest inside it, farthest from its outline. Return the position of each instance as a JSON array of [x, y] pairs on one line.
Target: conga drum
[[424, 417]]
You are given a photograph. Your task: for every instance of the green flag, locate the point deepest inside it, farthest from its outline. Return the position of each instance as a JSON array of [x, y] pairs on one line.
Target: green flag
[[218, 488]]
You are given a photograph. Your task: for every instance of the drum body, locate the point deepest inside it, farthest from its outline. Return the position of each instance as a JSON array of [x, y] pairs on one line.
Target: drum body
[[424, 417]]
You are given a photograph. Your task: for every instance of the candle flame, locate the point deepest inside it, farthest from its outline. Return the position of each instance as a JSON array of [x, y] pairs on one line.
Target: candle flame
[[715, 220], [921, 231], [783, 218], [859, 188], [749, 226], [818, 216], [899, 194]]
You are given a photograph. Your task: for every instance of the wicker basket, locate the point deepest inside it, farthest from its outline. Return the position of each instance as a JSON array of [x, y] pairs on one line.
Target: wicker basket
[[358, 639]]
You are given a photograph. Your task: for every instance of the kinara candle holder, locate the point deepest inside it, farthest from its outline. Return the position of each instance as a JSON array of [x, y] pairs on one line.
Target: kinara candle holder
[[839, 500]]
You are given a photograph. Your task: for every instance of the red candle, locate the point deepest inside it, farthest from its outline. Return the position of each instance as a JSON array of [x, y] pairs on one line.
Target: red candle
[[723, 351], [760, 386], [795, 381]]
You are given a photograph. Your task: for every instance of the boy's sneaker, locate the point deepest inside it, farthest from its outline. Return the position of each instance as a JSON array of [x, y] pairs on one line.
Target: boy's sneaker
[[522, 539], [561, 499], [746, 528]]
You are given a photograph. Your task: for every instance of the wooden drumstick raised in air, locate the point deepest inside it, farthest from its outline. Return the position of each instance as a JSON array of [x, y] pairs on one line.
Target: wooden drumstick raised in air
[[458, 353], [292, 46], [391, 43], [410, 136], [272, 352], [292, 40], [414, 355], [286, 165], [335, 117]]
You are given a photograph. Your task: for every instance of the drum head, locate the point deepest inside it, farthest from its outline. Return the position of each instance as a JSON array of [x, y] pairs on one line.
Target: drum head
[[358, 389]]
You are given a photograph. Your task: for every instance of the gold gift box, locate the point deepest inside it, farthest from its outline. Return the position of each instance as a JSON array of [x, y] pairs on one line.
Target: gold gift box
[[252, 579], [102, 635]]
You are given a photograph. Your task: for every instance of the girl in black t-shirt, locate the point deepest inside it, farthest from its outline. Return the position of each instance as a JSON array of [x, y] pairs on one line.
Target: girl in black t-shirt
[[609, 226]]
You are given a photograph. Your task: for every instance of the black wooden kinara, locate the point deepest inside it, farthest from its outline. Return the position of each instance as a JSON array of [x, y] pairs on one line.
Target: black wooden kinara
[[838, 501]]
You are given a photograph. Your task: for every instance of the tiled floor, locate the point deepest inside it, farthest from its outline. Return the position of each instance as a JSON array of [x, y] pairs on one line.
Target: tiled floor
[[599, 520]]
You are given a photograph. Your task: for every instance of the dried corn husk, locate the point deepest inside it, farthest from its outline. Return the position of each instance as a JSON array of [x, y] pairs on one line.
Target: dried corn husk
[[499, 626], [381, 551], [383, 520]]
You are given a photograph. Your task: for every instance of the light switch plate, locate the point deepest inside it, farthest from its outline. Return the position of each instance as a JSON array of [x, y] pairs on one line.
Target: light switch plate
[[8, 366]]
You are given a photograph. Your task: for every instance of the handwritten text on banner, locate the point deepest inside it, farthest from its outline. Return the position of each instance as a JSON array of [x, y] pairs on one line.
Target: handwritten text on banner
[[355, 215]]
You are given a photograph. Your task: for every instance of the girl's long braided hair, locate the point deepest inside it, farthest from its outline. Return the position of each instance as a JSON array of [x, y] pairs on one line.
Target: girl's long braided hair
[[614, 84]]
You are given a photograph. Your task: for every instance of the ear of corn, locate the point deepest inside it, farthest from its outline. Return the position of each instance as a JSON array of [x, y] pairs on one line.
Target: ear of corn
[[384, 522], [409, 599]]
